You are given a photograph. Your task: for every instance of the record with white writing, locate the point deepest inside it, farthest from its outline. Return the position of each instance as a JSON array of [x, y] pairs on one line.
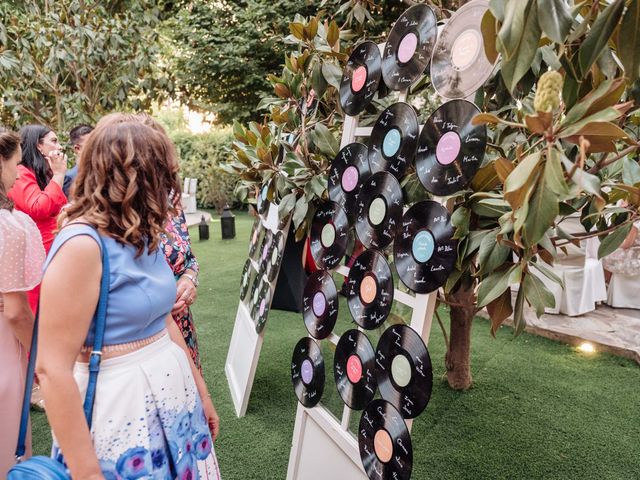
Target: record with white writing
[[256, 287], [384, 442], [424, 251], [264, 254], [451, 148], [394, 139], [354, 369], [360, 78], [245, 280], [329, 235], [256, 237], [262, 202], [307, 372], [349, 170], [379, 210], [320, 304], [404, 371], [459, 65], [261, 310], [409, 46], [275, 256], [370, 289]]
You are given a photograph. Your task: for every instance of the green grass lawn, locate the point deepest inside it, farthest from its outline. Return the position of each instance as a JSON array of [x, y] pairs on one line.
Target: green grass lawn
[[538, 409]]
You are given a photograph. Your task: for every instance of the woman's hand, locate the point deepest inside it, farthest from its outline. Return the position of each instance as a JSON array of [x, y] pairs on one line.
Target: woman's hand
[[58, 162], [187, 294], [212, 416]]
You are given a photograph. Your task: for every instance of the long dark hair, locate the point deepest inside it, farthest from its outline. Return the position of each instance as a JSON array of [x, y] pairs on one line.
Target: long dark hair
[[31, 136], [9, 143]]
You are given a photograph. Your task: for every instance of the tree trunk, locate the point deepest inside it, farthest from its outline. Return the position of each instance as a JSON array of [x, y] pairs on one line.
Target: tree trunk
[[458, 357]]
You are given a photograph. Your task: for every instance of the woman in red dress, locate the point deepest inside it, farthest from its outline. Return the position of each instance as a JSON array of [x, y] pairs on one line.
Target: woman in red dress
[[38, 190]]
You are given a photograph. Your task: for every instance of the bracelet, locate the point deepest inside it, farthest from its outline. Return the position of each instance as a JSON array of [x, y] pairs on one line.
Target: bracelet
[[194, 279]]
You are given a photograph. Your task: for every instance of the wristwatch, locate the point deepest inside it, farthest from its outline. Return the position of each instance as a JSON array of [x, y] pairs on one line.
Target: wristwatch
[[193, 278]]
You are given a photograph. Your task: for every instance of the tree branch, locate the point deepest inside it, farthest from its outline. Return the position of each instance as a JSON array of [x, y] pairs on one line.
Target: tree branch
[[604, 162]]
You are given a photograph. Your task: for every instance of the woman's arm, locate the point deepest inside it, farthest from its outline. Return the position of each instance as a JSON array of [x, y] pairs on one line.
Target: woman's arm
[[19, 316], [36, 203], [68, 299]]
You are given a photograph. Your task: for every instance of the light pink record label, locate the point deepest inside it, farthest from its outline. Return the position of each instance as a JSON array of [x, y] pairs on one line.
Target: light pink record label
[[448, 148], [354, 369], [263, 305], [359, 78], [407, 47], [465, 49], [350, 178], [306, 372], [319, 304]]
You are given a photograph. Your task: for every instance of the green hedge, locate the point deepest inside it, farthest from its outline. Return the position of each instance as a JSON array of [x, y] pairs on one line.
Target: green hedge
[[200, 156]]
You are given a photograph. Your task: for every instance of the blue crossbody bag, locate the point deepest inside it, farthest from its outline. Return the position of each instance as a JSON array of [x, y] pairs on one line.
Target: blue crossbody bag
[[47, 468]]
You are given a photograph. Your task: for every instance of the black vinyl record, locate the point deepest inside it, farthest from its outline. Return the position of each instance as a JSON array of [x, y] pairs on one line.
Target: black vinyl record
[[264, 254], [379, 210], [275, 256], [404, 371], [349, 170], [370, 289], [459, 65], [424, 251], [307, 372], [329, 235], [320, 304], [450, 149], [409, 46], [394, 140], [360, 78], [385, 443], [354, 369], [245, 280], [261, 309], [256, 237], [255, 293], [262, 202]]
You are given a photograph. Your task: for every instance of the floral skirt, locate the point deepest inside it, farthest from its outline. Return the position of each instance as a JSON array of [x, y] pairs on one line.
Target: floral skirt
[[188, 329], [148, 420]]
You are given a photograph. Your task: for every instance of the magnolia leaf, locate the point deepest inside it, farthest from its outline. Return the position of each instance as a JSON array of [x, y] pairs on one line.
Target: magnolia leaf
[[499, 310], [547, 272], [297, 30], [497, 8], [543, 210], [605, 115], [522, 173], [539, 123], [489, 36], [318, 81], [485, 179], [598, 37], [333, 33], [503, 168], [555, 19], [332, 74], [460, 220], [287, 204], [629, 41], [485, 118], [474, 240], [452, 280], [585, 181], [326, 142], [613, 240], [630, 171], [513, 26], [495, 284], [537, 294], [492, 254], [519, 321], [300, 211], [554, 176], [600, 129], [490, 207], [607, 94]]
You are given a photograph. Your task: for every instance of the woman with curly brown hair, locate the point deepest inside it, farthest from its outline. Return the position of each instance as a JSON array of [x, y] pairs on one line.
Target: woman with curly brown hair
[[21, 259], [153, 416]]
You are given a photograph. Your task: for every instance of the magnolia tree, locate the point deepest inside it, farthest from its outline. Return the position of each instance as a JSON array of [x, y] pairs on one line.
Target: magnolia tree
[[562, 128]]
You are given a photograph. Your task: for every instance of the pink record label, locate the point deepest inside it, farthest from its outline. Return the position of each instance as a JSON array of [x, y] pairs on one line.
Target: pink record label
[[319, 304], [354, 369], [263, 305], [306, 372], [350, 178], [448, 148], [359, 78], [407, 47]]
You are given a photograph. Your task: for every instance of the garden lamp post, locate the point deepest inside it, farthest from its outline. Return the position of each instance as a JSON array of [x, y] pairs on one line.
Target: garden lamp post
[[203, 229], [228, 222]]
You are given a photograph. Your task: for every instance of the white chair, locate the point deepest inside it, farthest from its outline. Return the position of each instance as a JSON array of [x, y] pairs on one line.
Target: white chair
[[189, 204], [623, 291]]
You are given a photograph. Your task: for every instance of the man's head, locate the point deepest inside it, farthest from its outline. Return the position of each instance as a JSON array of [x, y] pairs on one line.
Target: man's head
[[78, 136]]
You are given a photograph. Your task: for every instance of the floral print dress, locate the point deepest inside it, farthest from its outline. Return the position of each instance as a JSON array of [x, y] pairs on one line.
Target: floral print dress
[[176, 245]]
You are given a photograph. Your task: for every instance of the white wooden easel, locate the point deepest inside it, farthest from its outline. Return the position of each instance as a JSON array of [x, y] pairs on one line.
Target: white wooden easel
[[246, 344], [323, 447]]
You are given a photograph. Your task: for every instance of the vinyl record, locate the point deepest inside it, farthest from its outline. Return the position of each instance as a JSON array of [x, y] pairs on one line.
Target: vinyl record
[[354, 369], [307, 372], [450, 149], [349, 170], [385, 443], [409, 46], [370, 289], [264, 254], [262, 202], [245, 280], [424, 252], [379, 210], [255, 293], [261, 311], [320, 304], [256, 237], [459, 65], [329, 235], [403, 369], [360, 78], [275, 256], [394, 140]]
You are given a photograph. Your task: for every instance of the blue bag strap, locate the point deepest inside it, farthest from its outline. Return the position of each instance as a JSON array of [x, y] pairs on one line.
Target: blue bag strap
[[100, 320]]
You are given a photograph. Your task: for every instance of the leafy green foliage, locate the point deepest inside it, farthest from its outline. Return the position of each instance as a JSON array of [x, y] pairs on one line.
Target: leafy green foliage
[[70, 61]]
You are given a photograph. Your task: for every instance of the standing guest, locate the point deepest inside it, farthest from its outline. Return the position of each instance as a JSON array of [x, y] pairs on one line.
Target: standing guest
[[21, 259], [153, 416], [77, 136], [38, 189]]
